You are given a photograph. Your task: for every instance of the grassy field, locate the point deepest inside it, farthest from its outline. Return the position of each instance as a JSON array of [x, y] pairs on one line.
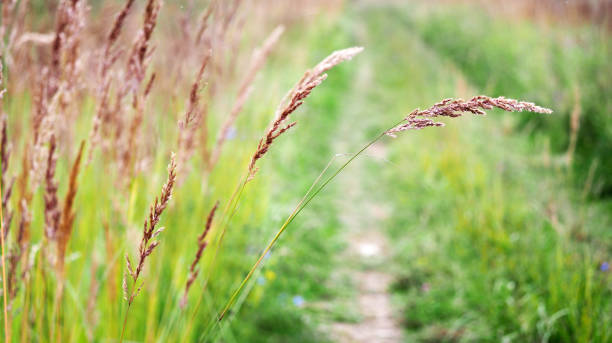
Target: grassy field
[[496, 225]]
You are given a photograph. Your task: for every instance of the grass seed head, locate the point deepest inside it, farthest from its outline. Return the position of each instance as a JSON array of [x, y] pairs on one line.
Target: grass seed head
[[68, 213], [419, 119], [150, 231], [202, 243], [294, 99]]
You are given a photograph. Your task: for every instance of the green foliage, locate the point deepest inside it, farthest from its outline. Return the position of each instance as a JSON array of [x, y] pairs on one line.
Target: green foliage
[[490, 243], [566, 68], [482, 262]]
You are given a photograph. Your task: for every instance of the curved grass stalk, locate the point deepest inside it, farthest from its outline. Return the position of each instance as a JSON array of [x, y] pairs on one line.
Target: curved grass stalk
[[238, 304], [304, 198], [228, 212], [4, 295], [416, 120], [233, 203], [305, 201]]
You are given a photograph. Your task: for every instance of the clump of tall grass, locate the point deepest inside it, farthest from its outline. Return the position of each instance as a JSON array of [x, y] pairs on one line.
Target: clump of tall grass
[[4, 151], [453, 108], [244, 90], [120, 90], [148, 242], [416, 120], [202, 243], [490, 51], [291, 102], [294, 99]]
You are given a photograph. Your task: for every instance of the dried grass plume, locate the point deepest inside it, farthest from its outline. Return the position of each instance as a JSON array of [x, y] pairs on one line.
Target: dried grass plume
[[419, 119], [295, 98]]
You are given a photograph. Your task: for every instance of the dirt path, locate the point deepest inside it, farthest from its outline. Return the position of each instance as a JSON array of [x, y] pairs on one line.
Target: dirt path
[[363, 210], [364, 205], [367, 255], [377, 323]]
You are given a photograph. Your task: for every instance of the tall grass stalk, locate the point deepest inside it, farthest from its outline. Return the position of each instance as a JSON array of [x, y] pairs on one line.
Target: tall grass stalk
[[228, 212], [295, 211], [4, 289], [416, 120], [300, 206], [148, 242], [215, 323], [291, 102]]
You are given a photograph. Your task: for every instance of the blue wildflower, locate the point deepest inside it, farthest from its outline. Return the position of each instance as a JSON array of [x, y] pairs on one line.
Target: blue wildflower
[[231, 134], [298, 301]]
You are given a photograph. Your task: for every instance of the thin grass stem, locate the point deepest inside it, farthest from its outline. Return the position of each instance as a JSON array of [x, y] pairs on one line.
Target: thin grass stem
[[127, 311], [294, 214], [312, 186], [4, 289], [231, 209]]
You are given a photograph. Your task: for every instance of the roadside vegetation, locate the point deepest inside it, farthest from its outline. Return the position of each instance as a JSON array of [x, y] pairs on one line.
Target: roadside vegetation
[[176, 116]]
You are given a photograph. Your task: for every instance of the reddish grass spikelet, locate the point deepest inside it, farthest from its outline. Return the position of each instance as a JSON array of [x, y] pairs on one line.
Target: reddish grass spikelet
[[66, 26], [114, 33], [150, 231], [44, 124], [206, 14], [5, 184], [7, 16], [66, 66], [23, 232], [19, 249], [202, 243], [128, 142], [192, 118], [295, 98], [149, 85], [18, 253], [191, 114], [453, 108], [109, 58], [52, 210], [65, 225], [413, 123], [3, 229], [141, 50], [68, 213]]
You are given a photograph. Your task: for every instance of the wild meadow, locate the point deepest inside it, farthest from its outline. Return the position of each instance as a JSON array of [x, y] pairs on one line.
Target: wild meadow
[[305, 171]]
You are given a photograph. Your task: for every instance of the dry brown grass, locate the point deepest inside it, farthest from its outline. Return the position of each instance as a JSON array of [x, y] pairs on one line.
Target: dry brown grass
[[202, 243], [452, 108], [295, 98], [129, 81], [149, 234], [148, 242], [72, 59], [244, 90], [68, 211]]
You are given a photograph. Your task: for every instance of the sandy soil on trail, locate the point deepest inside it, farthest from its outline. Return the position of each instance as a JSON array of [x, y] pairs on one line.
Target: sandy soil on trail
[[368, 255], [363, 210], [378, 323]]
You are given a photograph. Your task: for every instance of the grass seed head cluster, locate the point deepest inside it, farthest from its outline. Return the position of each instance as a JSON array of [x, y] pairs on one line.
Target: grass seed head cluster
[[97, 100]]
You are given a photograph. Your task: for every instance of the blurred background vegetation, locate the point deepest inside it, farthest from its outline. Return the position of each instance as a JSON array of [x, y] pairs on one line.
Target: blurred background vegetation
[[497, 227]]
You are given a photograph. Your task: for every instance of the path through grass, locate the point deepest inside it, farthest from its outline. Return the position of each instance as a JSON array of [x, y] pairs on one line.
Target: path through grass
[[487, 235]]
